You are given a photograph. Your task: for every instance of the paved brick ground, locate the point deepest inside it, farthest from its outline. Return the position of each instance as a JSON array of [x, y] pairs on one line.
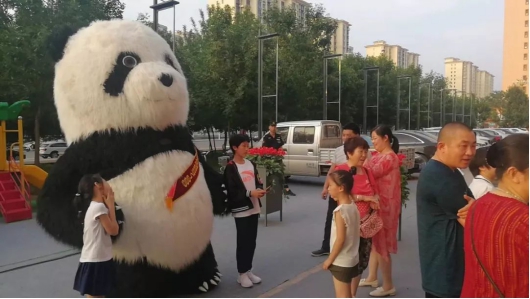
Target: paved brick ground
[[282, 257]]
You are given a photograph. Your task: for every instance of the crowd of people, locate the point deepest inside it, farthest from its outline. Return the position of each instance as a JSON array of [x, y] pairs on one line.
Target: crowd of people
[[473, 240]]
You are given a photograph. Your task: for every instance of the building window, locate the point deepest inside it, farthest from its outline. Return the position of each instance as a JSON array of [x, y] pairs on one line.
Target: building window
[[525, 78], [526, 12], [525, 67], [525, 57], [526, 34], [526, 23], [526, 45]]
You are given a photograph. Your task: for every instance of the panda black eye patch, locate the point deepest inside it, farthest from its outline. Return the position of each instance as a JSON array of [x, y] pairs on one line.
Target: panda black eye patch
[[115, 82], [168, 60]]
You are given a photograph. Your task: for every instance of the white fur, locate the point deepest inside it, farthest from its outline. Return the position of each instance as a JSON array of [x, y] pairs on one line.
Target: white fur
[[168, 239], [82, 104]]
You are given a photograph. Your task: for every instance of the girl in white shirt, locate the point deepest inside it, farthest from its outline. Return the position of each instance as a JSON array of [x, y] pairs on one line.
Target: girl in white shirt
[[343, 259], [95, 275]]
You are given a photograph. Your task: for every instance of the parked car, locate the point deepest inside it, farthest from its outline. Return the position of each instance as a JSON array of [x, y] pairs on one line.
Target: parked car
[[492, 135], [500, 132], [52, 149], [424, 145], [309, 146], [15, 153], [517, 130]]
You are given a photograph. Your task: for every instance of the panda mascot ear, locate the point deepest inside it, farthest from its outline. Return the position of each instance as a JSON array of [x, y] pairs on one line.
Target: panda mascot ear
[[58, 39]]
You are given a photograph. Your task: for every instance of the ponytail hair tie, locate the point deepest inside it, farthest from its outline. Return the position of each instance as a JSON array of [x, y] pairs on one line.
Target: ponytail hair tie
[[77, 194], [353, 170]]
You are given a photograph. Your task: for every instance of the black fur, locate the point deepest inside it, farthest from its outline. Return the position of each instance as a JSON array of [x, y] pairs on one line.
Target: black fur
[[57, 41], [144, 280], [115, 82], [111, 154]]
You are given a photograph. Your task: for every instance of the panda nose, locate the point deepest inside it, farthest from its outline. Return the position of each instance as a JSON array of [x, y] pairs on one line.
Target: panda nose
[[166, 79]]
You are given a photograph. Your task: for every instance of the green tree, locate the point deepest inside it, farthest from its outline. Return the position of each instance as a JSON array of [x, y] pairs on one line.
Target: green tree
[[515, 113], [26, 68], [489, 109]]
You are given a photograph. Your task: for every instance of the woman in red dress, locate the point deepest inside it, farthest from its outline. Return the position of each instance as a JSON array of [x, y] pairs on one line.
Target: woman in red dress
[[385, 168], [364, 195], [496, 230]]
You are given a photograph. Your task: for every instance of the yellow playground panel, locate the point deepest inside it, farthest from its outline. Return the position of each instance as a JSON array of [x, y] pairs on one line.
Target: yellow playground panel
[[34, 175]]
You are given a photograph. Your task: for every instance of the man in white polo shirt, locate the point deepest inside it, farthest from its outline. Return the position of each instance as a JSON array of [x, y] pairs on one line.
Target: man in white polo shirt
[[348, 131]]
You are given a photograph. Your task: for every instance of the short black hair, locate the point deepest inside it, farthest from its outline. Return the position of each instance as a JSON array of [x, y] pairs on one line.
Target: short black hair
[[510, 151], [479, 161], [353, 127], [353, 143], [237, 139]]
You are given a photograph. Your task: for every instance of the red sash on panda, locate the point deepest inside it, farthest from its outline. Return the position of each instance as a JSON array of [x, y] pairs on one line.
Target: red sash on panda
[[184, 182]]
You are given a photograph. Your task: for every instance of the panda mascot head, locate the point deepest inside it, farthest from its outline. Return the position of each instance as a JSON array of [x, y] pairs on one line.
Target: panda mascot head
[[123, 103], [118, 75]]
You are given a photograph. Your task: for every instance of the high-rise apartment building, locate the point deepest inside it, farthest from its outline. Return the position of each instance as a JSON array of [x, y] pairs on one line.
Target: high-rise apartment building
[[259, 7], [340, 41], [399, 55], [466, 78], [515, 61], [484, 85]]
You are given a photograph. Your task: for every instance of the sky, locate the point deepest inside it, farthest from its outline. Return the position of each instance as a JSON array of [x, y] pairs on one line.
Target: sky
[[471, 30]]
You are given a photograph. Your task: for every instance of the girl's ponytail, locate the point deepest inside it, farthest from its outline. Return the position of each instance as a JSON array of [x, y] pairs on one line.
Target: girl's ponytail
[[395, 144], [85, 192], [353, 170]]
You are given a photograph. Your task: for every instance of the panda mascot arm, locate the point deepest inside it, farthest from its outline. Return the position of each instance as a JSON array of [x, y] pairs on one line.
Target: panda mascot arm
[[217, 188], [57, 213]]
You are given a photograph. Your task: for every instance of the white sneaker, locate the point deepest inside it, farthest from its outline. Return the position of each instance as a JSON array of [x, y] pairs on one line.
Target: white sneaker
[[245, 281], [255, 279]]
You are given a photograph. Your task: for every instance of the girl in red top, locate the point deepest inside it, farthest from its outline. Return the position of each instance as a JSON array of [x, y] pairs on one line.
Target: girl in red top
[[364, 194], [496, 227]]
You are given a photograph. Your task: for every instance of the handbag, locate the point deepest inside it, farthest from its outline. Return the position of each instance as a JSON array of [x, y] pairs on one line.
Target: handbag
[[495, 287], [371, 224]]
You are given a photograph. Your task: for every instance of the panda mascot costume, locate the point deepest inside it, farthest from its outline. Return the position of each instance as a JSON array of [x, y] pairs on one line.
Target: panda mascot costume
[[123, 103]]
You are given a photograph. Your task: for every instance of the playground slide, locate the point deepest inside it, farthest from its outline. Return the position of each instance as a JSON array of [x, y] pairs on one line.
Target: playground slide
[[35, 175]]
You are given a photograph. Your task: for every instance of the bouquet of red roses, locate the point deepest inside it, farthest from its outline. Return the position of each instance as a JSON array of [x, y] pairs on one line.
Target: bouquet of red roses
[[269, 158]]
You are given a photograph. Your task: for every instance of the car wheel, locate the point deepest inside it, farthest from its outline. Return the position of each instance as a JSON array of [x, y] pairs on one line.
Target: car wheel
[[424, 160], [54, 155]]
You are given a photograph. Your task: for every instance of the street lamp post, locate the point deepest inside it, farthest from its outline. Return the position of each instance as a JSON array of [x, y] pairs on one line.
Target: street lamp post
[[261, 39], [157, 7], [365, 100], [399, 100], [429, 97], [472, 99], [325, 100], [453, 107], [442, 107]]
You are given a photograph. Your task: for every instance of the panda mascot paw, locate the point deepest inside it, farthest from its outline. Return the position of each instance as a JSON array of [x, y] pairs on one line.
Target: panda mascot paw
[[123, 104]]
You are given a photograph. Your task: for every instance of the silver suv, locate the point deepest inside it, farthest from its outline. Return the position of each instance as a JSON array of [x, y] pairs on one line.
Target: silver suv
[[52, 149]]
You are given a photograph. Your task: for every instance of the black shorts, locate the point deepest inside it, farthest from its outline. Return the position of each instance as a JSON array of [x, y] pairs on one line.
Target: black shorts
[[344, 274]]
